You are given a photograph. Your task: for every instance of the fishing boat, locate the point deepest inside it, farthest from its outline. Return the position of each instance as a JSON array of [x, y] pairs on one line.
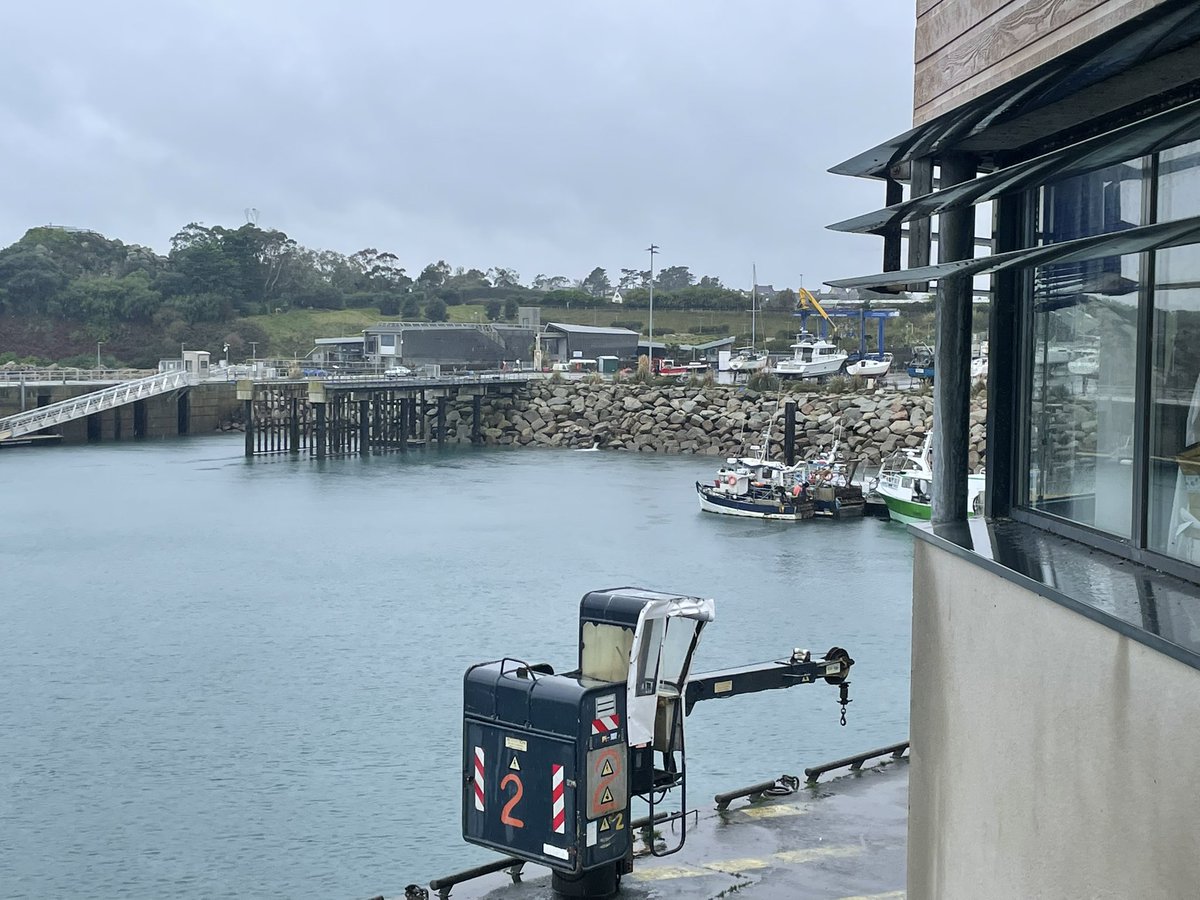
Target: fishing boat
[[812, 357], [906, 481], [830, 480], [870, 366], [757, 487]]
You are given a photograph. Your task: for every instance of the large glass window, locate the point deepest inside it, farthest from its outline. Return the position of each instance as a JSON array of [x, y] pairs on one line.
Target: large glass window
[[1086, 421], [1081, 413], [1173, 525], [1082, 393]]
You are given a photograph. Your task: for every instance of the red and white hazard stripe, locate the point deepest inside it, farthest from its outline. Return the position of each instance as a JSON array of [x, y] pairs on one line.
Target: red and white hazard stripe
[[557, 801], [605, 724], [479, 778]]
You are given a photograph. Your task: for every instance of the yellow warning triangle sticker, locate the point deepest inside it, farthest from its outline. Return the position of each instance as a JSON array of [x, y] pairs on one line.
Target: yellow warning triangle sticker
[[607, 768], [607, 796], [514, 764], [604, 824]]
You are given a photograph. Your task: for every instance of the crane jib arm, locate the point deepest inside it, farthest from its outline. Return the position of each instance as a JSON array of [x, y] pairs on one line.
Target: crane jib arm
[[767, 676]]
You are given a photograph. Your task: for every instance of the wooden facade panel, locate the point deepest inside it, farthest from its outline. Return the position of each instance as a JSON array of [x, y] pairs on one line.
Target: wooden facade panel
[[947, 22], [924, 6], [1021, 37]]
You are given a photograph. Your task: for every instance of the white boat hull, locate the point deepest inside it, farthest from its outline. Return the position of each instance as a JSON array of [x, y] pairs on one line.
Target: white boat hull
[[869, 368], [787, 368], [746, 365]]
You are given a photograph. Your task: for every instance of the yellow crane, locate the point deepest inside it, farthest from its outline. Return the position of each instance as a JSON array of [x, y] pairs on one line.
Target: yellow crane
[[806, 303]]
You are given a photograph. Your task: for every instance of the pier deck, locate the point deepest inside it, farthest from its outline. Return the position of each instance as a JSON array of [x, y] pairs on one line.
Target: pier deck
[[842, 839]]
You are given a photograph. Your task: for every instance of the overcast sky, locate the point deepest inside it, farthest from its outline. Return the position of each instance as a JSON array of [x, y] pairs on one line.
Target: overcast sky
[[549, 136]]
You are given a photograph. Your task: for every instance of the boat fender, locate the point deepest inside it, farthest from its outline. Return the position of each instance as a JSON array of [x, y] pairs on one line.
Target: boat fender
[[716, 482], [732, 479]]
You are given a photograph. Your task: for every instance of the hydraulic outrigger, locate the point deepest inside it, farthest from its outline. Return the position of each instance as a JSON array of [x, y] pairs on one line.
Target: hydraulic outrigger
[[551, 762]]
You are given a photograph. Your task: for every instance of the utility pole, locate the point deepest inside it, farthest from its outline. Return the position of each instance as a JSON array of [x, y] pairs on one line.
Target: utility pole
[[653, 248]]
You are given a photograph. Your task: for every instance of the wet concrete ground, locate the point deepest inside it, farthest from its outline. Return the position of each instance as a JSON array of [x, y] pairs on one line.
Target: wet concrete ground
[[843, 839]]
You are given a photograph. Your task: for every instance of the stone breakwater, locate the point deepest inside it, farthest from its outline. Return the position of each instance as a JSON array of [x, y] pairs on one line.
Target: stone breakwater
[[714, 420]]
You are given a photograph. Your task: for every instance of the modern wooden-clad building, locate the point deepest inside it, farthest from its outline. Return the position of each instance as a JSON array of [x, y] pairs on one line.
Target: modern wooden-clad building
[[1056, 641]]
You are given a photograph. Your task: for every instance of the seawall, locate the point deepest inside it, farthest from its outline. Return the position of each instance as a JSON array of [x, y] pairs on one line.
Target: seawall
[[714, 420]]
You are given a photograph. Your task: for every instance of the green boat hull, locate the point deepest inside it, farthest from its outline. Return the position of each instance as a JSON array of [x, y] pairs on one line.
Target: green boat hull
[[907, 511]]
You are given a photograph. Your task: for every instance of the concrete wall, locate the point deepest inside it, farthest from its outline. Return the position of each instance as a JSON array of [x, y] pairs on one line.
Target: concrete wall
[[208, 406], [1051, 756], [964, 48]]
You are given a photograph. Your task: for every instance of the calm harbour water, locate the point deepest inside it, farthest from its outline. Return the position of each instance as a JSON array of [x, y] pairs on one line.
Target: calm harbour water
[[232, 678]]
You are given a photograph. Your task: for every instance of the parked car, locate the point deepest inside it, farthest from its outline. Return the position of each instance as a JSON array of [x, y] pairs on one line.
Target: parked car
[[397, 372]]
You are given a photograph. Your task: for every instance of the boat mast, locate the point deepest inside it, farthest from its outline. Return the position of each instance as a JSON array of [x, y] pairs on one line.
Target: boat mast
[[753, 296]]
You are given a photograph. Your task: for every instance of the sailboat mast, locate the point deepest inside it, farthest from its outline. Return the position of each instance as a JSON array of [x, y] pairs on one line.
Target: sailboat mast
[[753, 298]]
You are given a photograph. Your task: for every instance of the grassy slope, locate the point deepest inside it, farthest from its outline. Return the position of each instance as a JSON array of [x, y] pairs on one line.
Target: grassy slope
[[293, 332]]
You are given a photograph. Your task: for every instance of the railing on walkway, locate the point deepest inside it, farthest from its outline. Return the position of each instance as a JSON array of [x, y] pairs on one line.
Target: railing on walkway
[[57, 375], [94, 402]]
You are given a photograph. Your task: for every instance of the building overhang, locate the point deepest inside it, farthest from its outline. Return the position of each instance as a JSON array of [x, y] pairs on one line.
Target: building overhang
[[1132, 240], [1149, 56]]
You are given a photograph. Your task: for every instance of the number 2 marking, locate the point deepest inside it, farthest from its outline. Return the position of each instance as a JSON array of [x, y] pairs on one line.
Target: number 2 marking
[[506, 816]]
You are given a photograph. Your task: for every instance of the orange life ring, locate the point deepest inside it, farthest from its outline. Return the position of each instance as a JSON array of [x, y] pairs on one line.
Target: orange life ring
[[732, 479]]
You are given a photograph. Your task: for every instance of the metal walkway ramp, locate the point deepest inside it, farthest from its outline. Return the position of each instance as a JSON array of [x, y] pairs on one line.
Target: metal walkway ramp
[[97, 401]]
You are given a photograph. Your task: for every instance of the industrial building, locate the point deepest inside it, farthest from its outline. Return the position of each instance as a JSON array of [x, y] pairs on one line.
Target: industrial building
[[561, 341], [449, 345]]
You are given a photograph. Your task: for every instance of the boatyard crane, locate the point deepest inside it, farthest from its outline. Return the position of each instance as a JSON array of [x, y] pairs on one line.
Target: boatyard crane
[[551, 762], [806, 305]]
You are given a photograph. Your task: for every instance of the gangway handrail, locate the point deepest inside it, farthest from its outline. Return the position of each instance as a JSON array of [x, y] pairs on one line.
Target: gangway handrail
[[93, 402]]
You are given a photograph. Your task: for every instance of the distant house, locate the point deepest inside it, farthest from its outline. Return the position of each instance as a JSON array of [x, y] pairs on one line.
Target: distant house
[[617, 298]]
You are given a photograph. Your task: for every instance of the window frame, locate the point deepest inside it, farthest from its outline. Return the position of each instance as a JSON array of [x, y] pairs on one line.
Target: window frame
[[1012, 391]]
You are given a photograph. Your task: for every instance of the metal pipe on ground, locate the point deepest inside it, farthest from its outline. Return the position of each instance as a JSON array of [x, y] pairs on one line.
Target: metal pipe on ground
[[509, 863], [854, 762]]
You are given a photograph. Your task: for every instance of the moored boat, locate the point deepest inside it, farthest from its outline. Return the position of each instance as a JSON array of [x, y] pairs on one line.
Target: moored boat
[[757, 487], [906, 483]]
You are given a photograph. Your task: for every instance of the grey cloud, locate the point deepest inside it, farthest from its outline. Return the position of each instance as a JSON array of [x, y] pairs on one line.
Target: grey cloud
[[548, 136]]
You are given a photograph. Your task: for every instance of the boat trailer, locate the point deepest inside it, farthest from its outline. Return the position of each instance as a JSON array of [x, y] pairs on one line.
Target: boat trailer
[[552, 762]]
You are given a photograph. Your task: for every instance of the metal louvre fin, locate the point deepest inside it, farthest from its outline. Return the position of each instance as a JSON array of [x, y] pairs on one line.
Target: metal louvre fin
[[1132, 240], [1085, 66], [1176, 126]]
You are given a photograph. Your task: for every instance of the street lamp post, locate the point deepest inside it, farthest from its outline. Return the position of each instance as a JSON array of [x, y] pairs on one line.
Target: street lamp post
[[653, 248], [98, 343]]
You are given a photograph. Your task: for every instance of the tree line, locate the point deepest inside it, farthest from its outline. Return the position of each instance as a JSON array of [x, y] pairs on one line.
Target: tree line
[[218, 274]]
